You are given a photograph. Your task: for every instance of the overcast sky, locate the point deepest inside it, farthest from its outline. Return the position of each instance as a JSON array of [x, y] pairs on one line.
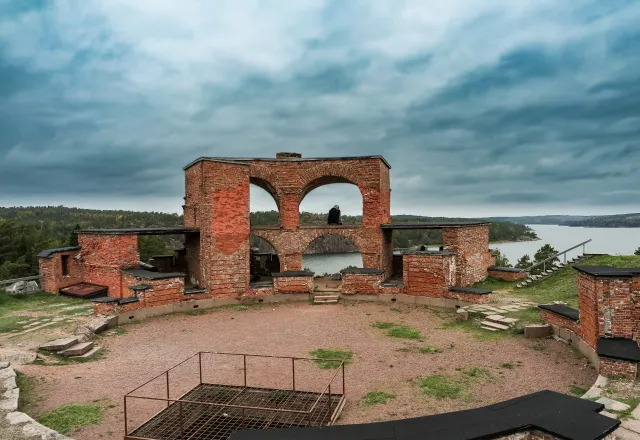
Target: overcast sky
[[482, 107]]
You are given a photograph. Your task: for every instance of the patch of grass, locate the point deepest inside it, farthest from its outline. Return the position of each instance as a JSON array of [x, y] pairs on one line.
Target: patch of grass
[[563, 285], [29, 397], [494, 284], [632, 402], [71, 417], [197, 312], [429, 350], [395, 309], [10, 323], [538, 347], [404, 332], [508, 366], [377, 398], [34, 302], [525, 317], [477, 373], [328, 359], [384, 325], [441, 387], [576, 390]]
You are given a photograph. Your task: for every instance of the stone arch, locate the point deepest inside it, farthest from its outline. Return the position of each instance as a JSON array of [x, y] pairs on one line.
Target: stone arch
[[270, 243], [313, 235], [326, 174]]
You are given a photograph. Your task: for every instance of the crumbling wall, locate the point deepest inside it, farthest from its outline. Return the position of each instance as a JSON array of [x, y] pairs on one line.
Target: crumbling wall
[[51, 270], [429, 274], [471, 246]]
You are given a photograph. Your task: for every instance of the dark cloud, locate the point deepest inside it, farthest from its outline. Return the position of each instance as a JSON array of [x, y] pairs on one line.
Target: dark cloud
[[479, 107]]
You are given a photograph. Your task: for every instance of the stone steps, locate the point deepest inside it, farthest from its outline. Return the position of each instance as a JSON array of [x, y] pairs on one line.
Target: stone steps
[[77, 350], [95, 350], [494, 325], [531, 279], [60, 344], [325, 298]]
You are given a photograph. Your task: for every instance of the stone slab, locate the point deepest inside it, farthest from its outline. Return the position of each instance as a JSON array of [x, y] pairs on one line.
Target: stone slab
[[631, 425], [18, 418], [611, 404], [535, 331], [59, 344], [77, 350], [88, 354], [624, 434], [17, 357]]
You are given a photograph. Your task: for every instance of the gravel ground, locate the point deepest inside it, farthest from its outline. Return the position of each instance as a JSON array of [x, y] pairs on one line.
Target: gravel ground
[[296, 329]]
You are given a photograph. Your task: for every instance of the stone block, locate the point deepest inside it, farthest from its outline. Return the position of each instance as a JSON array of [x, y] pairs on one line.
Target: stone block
[[134, 315], [611, 404], [98, 325], [17, 357], [439, 303], [9, 400], [462, 315], [220, 302], [385, 297], [161, 310], [631, 425], [18, 418], [406, 299], [535, 331], [77, 350]]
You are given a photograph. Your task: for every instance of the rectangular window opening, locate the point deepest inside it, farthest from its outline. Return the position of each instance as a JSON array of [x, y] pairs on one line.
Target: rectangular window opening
[[65, 265]]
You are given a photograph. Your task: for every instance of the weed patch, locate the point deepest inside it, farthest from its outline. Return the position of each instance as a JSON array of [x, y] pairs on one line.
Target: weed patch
[[576, 390], [331, 359], [10, 323], [429, 350], [384, 325], [71, 417], [441, 387], [377, 398], [404, 332]]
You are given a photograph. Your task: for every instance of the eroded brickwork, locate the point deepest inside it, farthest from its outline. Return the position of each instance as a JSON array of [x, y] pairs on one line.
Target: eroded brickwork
[[104, 257], [560, 321], [588, 291], [429, 274], [362, 284], [506, 275], [471, 246], [291, 284], [614, 367], [53, 278]]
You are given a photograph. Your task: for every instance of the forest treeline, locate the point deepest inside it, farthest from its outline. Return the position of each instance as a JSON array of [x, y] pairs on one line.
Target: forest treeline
[[608, 221], [25, 231]]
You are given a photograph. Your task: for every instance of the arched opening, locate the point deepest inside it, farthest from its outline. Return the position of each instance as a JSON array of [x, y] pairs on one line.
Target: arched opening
[[263, 203], [330, 253], [319, 196], [264, 259]]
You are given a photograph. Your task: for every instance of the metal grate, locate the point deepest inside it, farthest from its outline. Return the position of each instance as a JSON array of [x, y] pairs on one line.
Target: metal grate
[[263, 409], [214, 411]]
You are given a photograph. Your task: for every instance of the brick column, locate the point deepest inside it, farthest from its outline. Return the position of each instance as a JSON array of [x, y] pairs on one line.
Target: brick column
[[289, 210], [470, 244]]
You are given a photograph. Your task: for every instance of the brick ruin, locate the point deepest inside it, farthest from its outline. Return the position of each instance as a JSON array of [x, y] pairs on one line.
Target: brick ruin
[[606, 325], [215, 263]]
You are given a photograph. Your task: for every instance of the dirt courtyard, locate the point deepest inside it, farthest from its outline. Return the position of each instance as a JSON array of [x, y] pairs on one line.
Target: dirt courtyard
[[509, 366]]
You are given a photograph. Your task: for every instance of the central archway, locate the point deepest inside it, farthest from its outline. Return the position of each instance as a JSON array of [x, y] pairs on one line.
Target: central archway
[[330, 253]]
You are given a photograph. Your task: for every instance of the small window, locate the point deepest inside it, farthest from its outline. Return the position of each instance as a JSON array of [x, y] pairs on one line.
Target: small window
[[65, 265]]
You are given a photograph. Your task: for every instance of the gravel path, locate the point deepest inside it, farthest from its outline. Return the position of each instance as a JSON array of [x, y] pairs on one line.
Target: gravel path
[[296, 329]]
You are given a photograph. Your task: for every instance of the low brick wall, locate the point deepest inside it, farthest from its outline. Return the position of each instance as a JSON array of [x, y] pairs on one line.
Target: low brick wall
[[469, 297], [361, 281], [429, 274], [293, 282], [615, 367], [506, 273], [560, 321]]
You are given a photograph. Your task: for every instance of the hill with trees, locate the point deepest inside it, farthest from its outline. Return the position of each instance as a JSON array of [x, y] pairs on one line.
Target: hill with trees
[[25, 231], [609, 221]]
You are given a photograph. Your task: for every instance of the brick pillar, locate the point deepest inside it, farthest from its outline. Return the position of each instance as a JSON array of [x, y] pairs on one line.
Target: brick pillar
[[289, 210], [291, 261], [470, 243], [224, 228]]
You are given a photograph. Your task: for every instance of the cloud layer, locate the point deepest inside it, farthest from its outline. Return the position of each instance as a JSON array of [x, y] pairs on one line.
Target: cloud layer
[[481, 106]]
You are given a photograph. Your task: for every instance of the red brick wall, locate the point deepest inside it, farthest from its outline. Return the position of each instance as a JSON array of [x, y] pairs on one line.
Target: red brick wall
[[635, 289], [588, 290], [166, 291], [428, 274], [362, 284], [614, 367], [51, 271], [507, 276], [103, 257], [616, 308], [290, 245], [560, 321], [302, 284], [471, 245], [220, 196]]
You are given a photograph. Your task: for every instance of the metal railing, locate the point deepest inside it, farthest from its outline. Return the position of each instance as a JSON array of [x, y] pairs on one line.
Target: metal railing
[[544, 262], [305, 414]]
